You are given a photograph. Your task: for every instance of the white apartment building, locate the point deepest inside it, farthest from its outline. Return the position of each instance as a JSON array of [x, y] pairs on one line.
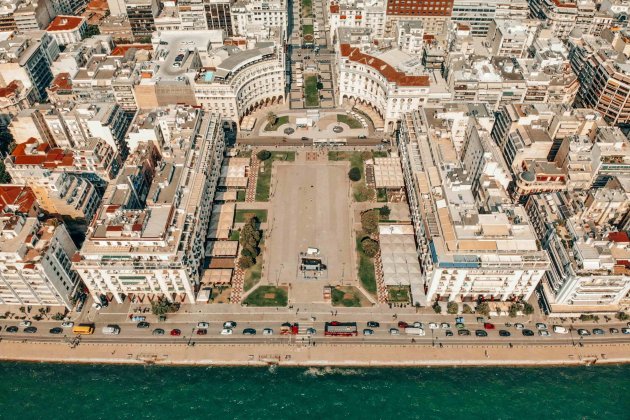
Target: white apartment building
[[67, 29], [158, 249], [510, 38], [469, 247], [35, 267], [589, 261], [249, 16]]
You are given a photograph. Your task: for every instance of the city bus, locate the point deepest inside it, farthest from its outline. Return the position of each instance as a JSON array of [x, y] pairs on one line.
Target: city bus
[[83, 329], [341, 329]]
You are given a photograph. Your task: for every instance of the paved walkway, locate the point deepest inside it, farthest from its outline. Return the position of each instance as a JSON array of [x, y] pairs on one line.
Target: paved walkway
[[250, 194], [381, 289], [238, 280]]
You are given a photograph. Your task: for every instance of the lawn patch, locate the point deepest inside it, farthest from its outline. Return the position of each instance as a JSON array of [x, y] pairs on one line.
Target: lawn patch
[[349, 121], [311, 92], [263, 184], [242, 215], [348, 297], [240, 195], [381, 195], [253, 274], [366, 267], [262, 296], [398, 294], [235, 235], [279, 121]]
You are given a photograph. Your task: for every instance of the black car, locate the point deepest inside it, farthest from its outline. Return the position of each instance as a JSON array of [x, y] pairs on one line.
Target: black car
[[463, 332], [30, 330], [481, 333], [504, 333], [305, 139], [598, 331], [56, 330], [373, 324], [143, 324], [449, 333], [249, 331], [528, 333], [12, 329]]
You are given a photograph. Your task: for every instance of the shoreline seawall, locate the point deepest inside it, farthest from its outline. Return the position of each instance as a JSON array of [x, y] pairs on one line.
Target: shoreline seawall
[[337, 355]]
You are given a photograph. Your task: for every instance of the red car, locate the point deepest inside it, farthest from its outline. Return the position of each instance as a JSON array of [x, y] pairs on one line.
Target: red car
[[488, 326], [176, 332], [202, 331], [402, 324]]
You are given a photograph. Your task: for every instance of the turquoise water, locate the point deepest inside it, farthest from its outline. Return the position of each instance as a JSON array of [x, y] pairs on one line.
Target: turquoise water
[[37, 391]]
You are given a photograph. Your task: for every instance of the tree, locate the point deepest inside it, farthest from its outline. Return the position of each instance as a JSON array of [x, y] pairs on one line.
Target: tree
[[483, 308], [513, 310], [452, 308], [245, 262], [437, 308], [384, 212], [369, 246], [466, 309], [369, 221], [58, 316], [271, 118], [363, 193], [354, 174], [527, 308], [91, 31], [622, 316], [163, 306], [263, 155]]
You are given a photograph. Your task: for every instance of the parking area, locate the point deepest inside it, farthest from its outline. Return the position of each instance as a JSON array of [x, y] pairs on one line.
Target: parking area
[[310, 208]]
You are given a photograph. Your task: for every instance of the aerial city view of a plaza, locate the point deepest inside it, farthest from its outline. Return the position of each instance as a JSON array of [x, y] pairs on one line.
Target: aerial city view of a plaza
[[315, 182]]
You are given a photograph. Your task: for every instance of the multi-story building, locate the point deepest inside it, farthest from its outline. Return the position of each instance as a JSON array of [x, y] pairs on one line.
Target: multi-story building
[[249, 16], [478, 14], [434, 14], [589, 260], [509, 38], [158, 249], [141, 15], [67, 29], [35, 267], [470, 248]]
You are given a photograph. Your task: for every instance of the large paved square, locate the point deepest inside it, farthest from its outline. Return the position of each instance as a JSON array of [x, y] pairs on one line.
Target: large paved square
[[310, 208]]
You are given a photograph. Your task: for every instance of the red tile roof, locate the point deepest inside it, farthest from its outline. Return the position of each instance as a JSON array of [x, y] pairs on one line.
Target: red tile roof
[[334, 8], [9, 90], [120, 50], [62, 82], [389, 72], [19, 196], [43, 155], [618, 237], [65, 23]]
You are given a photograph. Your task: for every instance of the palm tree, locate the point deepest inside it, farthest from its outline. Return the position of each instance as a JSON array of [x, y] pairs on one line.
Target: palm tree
[[271, 118]]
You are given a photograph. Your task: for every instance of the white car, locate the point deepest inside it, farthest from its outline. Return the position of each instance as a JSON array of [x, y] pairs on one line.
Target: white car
[[433, 326], [543, 333], [229, 324], [226, 331], [267, 331], [25, 323], [417, 324], [541, 326], [446, 325], [67, 324], [519, 326], [202, 325], [559, 329]]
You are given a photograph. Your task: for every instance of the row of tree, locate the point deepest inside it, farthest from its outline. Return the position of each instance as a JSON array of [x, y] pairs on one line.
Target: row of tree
[[249, 239], [483, 308]]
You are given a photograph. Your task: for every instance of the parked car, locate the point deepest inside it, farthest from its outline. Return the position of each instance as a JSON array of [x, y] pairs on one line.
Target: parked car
[[143, 325], [448, 333], [202, 331], [203, 325], [543, 333], [541, 326], [394, 331], [402, 324], [30, 330], [559, 329], [368, 331], [613, 330], [67, 324], [504, 333], [226, 331], [481, 333], [463, 332], [56, 330], [111, 330], [625, 330], [25, 323], [598, 331], [434, 326], [229, 324], [138, 318], [176, 332], [12, 329], [460, 326], [267, 331], [528, 333], [417, 325], [488, 326], [373, 324], [249, 331], [158, 331], [311, 331], [445, 325], [583, 332], [519, 326]]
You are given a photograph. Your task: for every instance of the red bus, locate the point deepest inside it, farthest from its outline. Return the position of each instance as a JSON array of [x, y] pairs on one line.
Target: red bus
[[343, 329]]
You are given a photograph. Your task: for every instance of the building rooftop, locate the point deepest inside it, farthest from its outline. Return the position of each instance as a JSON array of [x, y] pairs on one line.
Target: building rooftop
[[65, 23]]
